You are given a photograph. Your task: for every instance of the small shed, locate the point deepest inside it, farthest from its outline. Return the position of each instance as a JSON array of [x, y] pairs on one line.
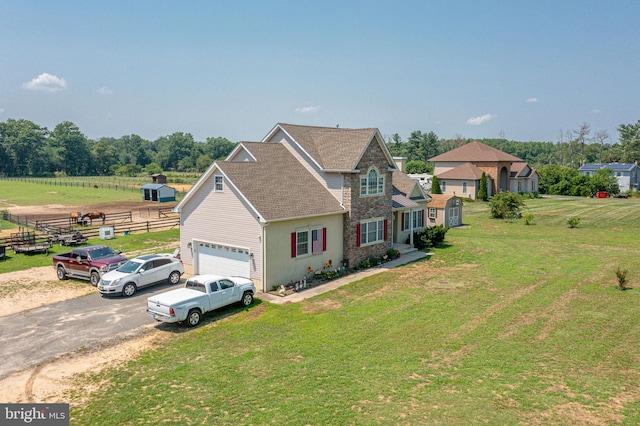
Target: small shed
[[444, 209], [158, 178], [158, 192]]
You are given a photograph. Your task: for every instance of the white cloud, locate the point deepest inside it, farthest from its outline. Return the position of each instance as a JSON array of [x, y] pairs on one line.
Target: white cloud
[[307, 109], [47, 83], [1, 110], [532, 100], [476, 121], [104, 90], [595, 111]]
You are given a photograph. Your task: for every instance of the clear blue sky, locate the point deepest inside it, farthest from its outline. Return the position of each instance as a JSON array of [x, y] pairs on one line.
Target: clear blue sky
[[522, 69]]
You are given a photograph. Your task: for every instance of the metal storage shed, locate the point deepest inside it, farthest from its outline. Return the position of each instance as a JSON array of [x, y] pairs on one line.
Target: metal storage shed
[[158, 192]]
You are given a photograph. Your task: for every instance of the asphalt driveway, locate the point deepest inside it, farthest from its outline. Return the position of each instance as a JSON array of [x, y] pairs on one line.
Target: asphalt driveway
[[31, 337]]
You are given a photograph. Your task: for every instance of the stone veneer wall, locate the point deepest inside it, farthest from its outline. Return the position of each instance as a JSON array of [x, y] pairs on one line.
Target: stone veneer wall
[[369, 207]]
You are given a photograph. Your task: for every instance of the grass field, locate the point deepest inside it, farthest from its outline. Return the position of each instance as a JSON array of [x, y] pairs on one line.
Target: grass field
[[505, 324], [32, 194]]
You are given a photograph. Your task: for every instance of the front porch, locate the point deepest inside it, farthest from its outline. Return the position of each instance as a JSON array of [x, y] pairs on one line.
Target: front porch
[[404, 248]]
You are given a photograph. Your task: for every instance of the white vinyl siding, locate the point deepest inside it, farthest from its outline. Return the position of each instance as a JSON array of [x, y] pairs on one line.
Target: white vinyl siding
[[216, 217]]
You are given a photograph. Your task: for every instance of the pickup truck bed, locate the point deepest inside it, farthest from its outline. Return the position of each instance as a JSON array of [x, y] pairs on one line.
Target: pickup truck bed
[[201, 294]]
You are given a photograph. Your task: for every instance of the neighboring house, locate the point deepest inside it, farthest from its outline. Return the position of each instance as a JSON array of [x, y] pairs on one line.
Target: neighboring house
[[158, 192], [459, 170], [523, 178], [626, 173], [444, 209], [302, 198]]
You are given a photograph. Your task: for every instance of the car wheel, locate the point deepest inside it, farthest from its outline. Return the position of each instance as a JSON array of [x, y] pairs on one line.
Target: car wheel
[[94, 278], [129, 289], [61, 274], [193, 318], [174, 277], [247, 298]]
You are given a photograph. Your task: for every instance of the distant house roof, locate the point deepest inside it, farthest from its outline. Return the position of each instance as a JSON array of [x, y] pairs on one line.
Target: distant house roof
[[439, 201], [463, 171], [333, 148], [616, 167], [277, 185], [154, 186], [521, 170], [475, 151]]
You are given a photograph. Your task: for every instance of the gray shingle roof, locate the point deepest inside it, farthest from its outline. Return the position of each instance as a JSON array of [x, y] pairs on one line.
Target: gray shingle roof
[[277, 185], [616, 167], [332, 148]]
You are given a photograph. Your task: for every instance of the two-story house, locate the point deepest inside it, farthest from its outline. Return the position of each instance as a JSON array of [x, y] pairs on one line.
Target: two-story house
[[626, 174], [459, 171], [302, 198]]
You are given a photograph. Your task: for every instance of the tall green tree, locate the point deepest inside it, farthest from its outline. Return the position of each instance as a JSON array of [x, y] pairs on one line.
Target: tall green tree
[[75, 157], [630, 141], [174, 148], [482, 190], [435, 186], [24, 149]]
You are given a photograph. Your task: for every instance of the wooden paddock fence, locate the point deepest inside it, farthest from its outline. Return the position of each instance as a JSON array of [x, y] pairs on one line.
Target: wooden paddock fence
[[122, 224]]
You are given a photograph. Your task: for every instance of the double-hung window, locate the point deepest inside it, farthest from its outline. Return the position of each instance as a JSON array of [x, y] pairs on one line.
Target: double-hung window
[[406, 221], [219, 183], [372, 183], [372, 232], [308, 241], [432, 213], [418, 219], [302, 243]]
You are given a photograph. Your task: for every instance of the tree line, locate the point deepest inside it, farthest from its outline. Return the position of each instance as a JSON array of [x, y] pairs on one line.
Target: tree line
[[27, 149]]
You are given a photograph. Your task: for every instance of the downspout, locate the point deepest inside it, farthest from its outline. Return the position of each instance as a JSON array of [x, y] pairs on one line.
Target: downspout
[[263, 254]]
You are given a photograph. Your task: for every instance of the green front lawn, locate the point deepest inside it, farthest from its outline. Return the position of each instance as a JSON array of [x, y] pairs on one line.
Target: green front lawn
[[505, 324]]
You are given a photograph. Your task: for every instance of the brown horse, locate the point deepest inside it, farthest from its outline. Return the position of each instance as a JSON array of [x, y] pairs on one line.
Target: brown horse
[[74, 217], [91, 216]]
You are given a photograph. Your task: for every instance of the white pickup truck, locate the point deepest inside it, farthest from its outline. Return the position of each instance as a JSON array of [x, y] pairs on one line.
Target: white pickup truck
[[201, 293]]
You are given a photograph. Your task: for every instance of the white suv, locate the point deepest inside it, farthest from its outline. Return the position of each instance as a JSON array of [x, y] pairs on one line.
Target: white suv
[[141, 272]]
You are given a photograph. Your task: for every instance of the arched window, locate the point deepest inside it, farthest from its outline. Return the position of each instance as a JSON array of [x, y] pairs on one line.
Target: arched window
[[372, 183]]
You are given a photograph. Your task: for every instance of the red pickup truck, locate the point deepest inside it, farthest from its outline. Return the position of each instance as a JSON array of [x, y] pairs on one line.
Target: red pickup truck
[[87, 263]]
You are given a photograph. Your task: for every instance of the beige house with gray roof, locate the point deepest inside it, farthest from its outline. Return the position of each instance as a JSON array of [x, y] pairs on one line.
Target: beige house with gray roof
[[302, 198]]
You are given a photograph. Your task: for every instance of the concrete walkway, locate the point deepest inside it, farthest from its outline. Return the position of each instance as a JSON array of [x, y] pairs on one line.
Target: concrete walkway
[[332, 285]]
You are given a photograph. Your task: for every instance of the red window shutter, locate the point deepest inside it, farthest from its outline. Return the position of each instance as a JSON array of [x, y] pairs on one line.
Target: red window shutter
[[293, 244], [422, 213], [436, 213], [358, 235], [402, 215], [385, 230], [324, 239]]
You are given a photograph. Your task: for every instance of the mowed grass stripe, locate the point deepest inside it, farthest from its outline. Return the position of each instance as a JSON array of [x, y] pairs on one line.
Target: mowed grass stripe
[[505, 324]]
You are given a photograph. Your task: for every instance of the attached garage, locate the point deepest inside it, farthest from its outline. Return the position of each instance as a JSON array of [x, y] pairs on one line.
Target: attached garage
[[219, 259]]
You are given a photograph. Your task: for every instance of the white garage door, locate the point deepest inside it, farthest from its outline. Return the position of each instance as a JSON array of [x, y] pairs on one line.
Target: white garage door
[[222, 260]]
